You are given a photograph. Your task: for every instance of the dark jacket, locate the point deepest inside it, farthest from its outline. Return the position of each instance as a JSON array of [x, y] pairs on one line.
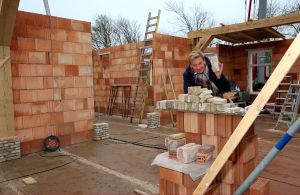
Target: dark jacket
[[188, 78]]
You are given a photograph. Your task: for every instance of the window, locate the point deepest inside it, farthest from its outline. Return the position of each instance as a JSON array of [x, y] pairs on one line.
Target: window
[[259, 69]]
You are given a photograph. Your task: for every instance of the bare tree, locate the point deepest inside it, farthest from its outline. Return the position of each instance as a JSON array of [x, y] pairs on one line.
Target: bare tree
[[102, 32], [126, 31], [192, 19], [278, 8], [108, 32]]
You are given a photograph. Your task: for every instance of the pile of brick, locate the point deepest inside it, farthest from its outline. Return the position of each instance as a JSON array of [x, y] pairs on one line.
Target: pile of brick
[[100, 131], [9, 148], [153, 120], [52, 80], [199, 100]]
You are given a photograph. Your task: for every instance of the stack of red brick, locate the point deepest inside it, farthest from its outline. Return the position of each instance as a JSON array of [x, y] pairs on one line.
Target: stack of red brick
[[120, 64], [214, 129], [52, 77]]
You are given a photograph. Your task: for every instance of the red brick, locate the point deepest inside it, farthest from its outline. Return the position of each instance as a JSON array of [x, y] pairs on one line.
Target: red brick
[[39, 133], [85, 92], [81, 125], [42, 45], [16, 96], [28, 95], [34, 83], [83, 115], [48, 82], [45, 94], [37, 57], [26, 44], [25, 134], [71, 70], [83, 81], [80, 104], [22, 109], [85, 71], [71, 93], [61, 23], [18, 122], [57, 46], [43, 70], [18, 83], [57, 95], [14, 70], [67, 47], [66, 128], [58, 35], [31, 121], [68, 105], [45, 119], [77, 25], [19, 56], [70, 116], [39, 107], [73, 36], [65, 58], [58, 71], [37, 32]]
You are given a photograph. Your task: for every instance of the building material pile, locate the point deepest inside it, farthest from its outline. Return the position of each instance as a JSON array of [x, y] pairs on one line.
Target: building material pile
[[153, 120], [100, 131], [199, 100]]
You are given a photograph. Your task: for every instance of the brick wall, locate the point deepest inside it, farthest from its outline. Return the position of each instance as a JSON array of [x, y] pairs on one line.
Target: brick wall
[[120, 66], [52, 80]]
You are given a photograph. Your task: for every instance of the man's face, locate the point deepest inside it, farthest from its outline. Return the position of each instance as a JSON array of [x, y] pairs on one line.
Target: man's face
[[198, 65]]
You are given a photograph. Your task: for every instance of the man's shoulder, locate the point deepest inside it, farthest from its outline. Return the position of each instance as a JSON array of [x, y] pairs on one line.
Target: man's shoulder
[[187, 71]]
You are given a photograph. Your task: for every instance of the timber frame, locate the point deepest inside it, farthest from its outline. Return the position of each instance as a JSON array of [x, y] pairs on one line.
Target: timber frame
[[255, 30]]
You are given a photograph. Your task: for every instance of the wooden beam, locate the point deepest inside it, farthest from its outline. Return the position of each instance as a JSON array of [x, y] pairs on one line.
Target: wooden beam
[[204, 42], [276, 77], [228, 39], [4, 61], [8, 13], [255, 24], [1, 1], [274, 32], [247, 36]]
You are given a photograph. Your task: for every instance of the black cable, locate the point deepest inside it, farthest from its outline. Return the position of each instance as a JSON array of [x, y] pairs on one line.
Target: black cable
[[140, 144], [37, 172]]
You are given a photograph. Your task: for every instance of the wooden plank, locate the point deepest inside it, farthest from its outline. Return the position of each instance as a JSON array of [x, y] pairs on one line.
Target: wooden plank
[[280, 71], [210, 124], [4, 61], [9, 9], [262, 23], [204, 42]]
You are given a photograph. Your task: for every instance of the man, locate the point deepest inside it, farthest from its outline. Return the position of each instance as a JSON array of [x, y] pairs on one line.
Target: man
[[199, 73]]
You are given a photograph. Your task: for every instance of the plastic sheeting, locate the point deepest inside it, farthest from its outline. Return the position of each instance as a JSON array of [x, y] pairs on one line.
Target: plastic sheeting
[[193, 169]]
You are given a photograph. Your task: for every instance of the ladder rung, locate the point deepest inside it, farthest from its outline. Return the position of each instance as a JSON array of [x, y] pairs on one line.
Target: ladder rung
[[146, 47], [151, 32], [150, 39], [295, 85], [293, 93], [150, 25], [152, 18], [278, 98], [282, 91], [284, 83]]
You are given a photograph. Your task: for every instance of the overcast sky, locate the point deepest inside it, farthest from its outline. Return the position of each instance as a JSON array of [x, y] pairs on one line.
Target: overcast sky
[[226, 11]]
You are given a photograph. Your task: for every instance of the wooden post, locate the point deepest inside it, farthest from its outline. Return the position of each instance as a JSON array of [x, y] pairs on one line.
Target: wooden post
[[280, 71]]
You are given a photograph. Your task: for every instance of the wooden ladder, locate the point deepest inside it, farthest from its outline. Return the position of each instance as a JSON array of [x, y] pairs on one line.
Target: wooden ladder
[[143, 81], [281, 93], [290, 107]]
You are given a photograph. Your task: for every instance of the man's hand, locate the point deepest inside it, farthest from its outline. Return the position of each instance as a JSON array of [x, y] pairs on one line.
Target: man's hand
[[219, 73]]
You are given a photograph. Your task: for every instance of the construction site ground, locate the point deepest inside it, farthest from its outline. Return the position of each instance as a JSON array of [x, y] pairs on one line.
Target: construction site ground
[[122, 164]]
